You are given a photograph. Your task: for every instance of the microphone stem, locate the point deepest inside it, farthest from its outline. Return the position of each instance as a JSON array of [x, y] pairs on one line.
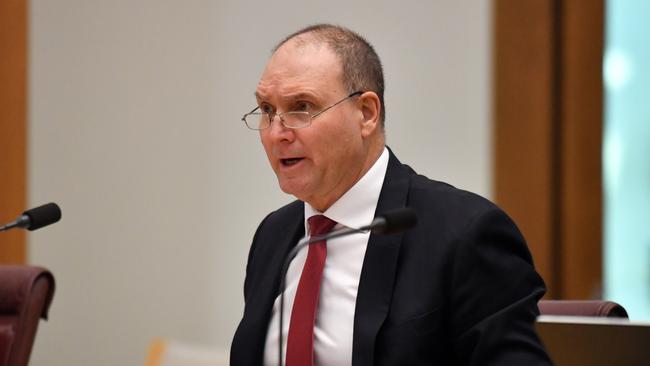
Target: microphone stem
[[22, 222]]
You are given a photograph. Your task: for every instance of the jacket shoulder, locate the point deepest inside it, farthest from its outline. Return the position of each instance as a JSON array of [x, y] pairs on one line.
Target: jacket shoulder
[[287, 212], [453, 201]]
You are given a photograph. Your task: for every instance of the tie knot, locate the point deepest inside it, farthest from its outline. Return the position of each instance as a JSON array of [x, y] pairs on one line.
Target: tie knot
[[320, 225]]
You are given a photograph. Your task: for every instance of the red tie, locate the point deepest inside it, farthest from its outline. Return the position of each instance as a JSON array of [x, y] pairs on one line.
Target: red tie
[[300, 341]]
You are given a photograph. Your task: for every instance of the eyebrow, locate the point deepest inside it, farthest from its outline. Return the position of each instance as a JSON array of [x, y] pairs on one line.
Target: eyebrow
[[292, 97]]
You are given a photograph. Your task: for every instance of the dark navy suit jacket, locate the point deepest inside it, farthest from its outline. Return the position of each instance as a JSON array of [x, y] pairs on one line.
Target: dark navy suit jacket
[[458, 289]]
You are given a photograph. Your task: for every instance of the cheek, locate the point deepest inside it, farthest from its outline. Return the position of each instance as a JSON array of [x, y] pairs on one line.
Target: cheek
[[268, 147], [345, 139], [338, 154], [264, 137]]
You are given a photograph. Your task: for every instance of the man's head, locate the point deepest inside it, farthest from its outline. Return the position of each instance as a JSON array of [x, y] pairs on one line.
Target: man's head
[[309, 71], [362, 68]]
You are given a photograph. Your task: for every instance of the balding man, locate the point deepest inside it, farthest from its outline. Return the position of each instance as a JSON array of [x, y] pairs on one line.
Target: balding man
[[459, 289]]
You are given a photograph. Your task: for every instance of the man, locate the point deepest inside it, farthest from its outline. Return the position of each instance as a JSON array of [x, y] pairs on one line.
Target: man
[[459, 288]]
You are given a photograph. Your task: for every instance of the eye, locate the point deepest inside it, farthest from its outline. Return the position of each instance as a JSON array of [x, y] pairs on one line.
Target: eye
[[303, 107], [266, 108]]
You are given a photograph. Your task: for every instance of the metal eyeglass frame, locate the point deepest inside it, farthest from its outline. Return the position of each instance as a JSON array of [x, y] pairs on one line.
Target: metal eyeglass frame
[[310, 114]]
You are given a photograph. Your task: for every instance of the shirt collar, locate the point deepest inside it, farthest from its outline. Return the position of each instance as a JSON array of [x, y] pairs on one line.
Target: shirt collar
[[357, 206]]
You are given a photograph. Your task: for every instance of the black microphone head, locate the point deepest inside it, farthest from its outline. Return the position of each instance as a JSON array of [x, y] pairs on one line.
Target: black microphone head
[[44, 215], [396, 220]]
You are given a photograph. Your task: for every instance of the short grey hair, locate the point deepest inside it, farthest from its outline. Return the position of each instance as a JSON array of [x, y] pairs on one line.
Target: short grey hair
[[362, 69]]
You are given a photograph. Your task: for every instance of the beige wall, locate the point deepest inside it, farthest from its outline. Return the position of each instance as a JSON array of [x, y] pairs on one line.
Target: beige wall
[[135, 131]]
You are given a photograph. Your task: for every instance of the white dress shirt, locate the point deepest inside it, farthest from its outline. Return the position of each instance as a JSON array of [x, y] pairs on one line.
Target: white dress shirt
[[338, 294]]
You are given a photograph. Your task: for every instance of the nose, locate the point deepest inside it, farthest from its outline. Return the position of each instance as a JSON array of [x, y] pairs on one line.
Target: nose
[[277, 130]]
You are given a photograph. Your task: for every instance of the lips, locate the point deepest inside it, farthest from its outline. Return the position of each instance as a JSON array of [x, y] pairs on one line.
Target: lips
[[290, 161]]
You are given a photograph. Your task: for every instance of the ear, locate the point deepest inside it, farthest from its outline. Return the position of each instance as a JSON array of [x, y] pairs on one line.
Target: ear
[[370, 107]]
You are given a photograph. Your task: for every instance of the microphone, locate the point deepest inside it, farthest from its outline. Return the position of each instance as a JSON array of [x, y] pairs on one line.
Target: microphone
[[390, 222], [393, 221], [36, 218]]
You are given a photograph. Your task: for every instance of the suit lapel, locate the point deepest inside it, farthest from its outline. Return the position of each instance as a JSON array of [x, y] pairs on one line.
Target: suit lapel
[[379, 268]]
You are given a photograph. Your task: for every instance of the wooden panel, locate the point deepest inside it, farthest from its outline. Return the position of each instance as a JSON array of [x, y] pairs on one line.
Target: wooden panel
[[582, 116], [523, 92], [13, 107], [548, 135]]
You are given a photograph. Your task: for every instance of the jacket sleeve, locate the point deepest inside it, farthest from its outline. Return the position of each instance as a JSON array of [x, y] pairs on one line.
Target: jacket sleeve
[[495, 290]]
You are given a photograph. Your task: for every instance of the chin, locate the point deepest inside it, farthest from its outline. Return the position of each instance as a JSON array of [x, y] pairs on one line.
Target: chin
[[294, 188]]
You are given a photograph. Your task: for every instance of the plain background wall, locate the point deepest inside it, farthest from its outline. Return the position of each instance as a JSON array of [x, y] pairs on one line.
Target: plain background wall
[[135, 131]]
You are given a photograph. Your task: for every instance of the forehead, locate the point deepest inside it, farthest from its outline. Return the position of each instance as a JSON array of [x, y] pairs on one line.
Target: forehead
[[299, 67]]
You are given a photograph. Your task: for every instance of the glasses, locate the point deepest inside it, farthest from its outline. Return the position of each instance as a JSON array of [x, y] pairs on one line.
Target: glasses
[[293, 119]]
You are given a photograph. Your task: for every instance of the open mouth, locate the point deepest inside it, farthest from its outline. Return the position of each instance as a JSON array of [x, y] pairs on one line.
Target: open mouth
[[291, 161]]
